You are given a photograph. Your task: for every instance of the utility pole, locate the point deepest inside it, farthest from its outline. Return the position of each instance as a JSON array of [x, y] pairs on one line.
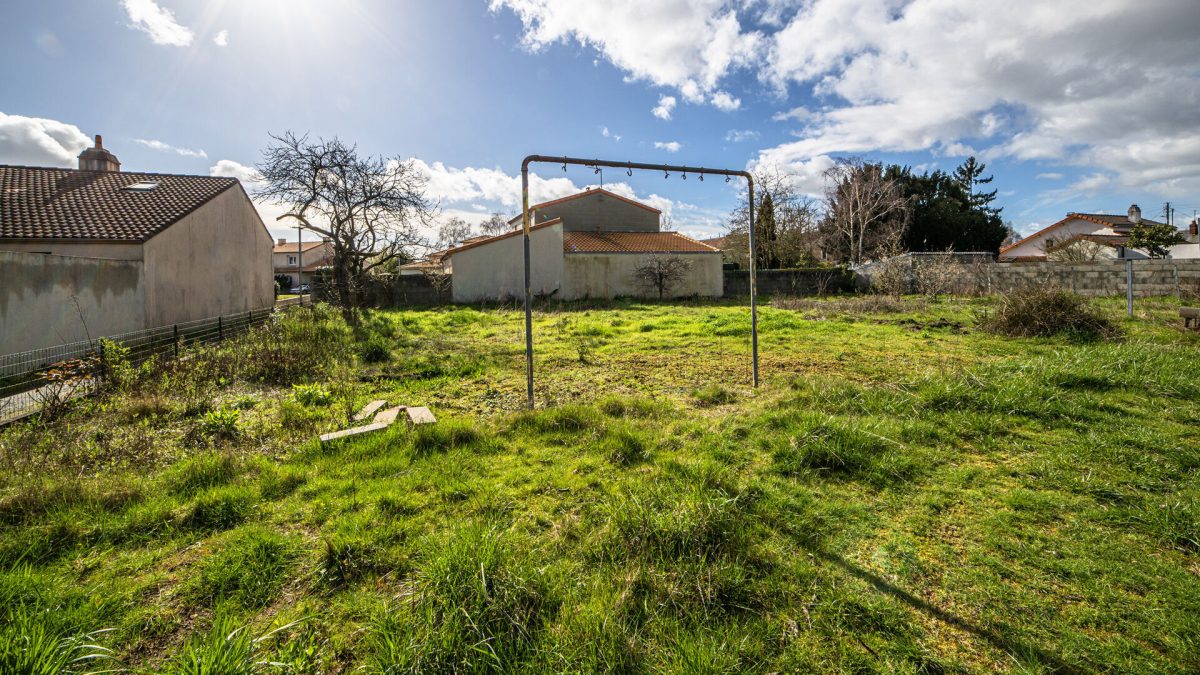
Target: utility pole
[[300, 262]]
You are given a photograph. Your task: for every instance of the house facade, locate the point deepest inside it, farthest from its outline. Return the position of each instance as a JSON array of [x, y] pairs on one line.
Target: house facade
[[299, 261], [588, 245], [98, 251], [1106, 234]]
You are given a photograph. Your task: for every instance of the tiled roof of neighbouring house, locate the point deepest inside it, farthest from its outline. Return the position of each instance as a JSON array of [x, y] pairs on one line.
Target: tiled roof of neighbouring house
[[590, 192], [1112, 219], [632, 242], [49, 203], [290, 247], [715, 242]]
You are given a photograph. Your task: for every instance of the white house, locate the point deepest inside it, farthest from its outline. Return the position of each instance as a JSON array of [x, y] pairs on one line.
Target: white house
[[287, 255], [98, 251], [1110, 232], [587, 245]]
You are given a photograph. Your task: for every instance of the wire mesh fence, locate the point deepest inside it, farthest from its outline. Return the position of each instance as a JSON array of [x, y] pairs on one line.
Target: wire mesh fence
[[31, 380]]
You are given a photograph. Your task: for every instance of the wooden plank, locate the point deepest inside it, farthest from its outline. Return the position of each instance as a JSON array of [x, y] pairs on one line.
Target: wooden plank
[[369, 409], [355, 431], [1189, 312], [388, 416], [420, 415]]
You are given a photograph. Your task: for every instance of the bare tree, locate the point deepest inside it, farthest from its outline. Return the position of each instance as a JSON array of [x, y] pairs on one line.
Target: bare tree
[[368, 207], [787, 236], [438, 278], [662, 273], [865, 210], [1074, 250], [452, 233], [495, 224]]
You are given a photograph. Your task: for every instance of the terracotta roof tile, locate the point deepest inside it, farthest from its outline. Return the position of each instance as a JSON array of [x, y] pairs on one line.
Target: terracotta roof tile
[[632, 242], [290, 247], [49, 203]]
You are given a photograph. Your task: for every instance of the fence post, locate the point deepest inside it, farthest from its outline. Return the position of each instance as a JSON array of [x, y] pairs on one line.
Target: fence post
[[1129, 286], [175, 333], [220, 330]]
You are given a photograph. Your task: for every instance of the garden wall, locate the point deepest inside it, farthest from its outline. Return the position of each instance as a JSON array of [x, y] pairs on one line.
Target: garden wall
[[973, 274], [790, 282], [402, 290]]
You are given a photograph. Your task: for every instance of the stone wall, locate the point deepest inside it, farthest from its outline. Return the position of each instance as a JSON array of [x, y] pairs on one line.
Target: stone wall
[[789, 282]]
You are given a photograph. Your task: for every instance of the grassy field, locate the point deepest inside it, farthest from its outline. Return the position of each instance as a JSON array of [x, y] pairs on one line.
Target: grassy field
[[904, 493]]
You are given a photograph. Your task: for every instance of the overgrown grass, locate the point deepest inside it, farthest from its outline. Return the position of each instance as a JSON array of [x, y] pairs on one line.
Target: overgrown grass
[[906, 492]]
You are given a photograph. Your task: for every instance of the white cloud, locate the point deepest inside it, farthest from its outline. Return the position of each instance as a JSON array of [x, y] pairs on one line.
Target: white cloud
[[686, 44], [799, 113], [666, 104], [229, 168], [221, 39], [723, 101], [1051, 175], [669, 146], [608, 134], [33, 141], [157, 22], [739, 135], [164, 147], [1071, 81]]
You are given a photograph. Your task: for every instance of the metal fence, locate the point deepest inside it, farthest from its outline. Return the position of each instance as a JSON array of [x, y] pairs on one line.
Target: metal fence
[[27, 378]]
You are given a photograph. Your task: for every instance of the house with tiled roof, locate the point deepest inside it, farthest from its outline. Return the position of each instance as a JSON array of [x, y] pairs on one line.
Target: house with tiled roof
[[586, 245], [1107, 233], [191, 247], [297, 262]]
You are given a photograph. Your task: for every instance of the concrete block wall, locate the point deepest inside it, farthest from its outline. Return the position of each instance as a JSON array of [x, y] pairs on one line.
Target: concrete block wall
[[1150, 277], [789, 282]]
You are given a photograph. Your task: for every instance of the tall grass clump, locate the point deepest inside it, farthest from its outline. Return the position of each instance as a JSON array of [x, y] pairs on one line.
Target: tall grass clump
[[1036, 311], [294, 346], [480, 606], [248, 570]]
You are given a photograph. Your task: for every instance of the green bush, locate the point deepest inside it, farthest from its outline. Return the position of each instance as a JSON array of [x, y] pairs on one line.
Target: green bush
[[311, 394], [221, 423], [1044, 312]]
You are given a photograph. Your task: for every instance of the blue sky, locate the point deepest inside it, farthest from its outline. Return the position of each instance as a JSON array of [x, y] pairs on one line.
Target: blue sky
[[1075, 106]]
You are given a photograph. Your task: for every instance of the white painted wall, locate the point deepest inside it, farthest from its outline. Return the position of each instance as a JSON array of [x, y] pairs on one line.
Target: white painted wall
[[1035, 246], [215, 261], [496, 270], [609, 275]]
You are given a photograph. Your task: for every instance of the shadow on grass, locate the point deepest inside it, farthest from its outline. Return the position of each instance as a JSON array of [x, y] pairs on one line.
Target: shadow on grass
[[1010, 646]]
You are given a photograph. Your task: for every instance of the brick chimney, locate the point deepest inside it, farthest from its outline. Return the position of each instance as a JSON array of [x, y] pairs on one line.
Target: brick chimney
[[1135, 214], [281, 242], [98, 159], [1192, 228]]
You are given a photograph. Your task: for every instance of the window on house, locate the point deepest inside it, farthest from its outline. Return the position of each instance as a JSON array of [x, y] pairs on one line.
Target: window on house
[[291, 260], [144, 186]]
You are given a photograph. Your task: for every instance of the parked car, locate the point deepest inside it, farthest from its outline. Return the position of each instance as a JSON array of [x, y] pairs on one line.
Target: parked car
[[299, 290]]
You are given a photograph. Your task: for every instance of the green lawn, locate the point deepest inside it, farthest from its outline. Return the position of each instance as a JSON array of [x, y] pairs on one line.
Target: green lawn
[[903, 493]]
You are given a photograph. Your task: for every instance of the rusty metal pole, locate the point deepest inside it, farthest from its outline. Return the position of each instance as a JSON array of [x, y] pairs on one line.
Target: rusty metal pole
[[528, 284], [753, 287]]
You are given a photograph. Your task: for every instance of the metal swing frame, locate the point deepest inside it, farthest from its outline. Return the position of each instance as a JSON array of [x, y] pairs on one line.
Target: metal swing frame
[[629, 168]]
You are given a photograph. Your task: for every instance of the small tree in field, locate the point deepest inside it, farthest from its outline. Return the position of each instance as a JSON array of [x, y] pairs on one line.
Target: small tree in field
[[368, 207], [662, 273], [1156, 239]]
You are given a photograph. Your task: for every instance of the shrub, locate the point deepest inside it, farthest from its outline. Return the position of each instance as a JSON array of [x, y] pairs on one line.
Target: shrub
[[292, 346], [1044, 312], [221, 423], [311, 394]]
